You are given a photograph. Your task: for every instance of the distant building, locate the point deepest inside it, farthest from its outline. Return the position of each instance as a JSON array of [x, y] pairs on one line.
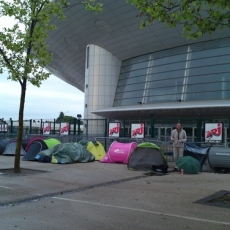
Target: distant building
[[2, 121]]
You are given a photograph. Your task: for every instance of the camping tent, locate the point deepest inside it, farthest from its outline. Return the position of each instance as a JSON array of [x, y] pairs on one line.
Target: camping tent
[[32, 140], [197, 152], [67, 153], [148, 156], [95, 147], [36, 147], [51, 142], [219, 159], [39, 145], [200, 153], [119, 152], [11, 147], [3, 143]]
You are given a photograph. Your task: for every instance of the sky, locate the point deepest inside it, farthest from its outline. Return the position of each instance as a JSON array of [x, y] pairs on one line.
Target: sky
[[53, 96], [46, 102]]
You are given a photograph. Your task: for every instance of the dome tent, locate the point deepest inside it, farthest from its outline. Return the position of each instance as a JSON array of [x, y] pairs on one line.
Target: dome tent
[[32, 140], [148, 156], [95, 147], [119, 152], [10, 148], [38, 145], [3, 143]]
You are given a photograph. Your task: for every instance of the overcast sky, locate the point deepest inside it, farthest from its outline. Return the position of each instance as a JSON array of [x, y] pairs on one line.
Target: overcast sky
[[45, 102]]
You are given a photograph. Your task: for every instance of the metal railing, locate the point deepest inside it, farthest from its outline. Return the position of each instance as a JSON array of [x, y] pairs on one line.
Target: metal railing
[[166, 146]]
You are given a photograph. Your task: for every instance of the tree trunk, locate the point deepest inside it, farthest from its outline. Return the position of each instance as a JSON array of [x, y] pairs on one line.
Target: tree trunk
[[20, 128]]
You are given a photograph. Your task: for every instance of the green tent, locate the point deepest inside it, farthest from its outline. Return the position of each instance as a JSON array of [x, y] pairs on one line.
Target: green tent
[[148, 156], [95, 147], [67, 153], [51, 142]]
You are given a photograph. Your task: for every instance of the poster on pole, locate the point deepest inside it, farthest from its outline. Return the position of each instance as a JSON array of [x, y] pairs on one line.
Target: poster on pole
[[46, 128], [64, 129], [114, 129], [138, 130], [213, 132]]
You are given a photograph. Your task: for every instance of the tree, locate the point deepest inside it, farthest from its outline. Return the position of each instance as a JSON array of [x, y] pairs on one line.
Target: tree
[[197, 17], [70, 119], [61, 116], [23, 48]]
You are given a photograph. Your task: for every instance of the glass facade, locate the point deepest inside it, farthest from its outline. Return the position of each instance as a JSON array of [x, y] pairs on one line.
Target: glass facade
[[190, 73]]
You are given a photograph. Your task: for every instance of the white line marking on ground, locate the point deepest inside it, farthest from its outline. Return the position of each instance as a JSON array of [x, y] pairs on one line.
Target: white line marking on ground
[[6, 187], [146, 211]]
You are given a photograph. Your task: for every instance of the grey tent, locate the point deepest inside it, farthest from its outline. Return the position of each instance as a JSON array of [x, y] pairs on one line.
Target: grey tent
[[148, 156], [34, 148], [35, 138], [11, 148], [3, 143], [219, 159]]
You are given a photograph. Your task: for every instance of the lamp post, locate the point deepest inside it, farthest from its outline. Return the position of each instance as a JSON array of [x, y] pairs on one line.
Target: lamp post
[[78, 124]]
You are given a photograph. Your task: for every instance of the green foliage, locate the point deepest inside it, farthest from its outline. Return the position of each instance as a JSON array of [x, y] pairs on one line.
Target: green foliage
[[197, 17], [69, 119], [23, 49], [63, 118], [93, 5]]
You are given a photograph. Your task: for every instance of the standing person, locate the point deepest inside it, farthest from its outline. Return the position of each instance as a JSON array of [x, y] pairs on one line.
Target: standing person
[[178, 137]]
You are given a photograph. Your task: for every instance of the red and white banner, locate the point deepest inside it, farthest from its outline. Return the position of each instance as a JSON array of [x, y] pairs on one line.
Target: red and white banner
[[64, 130], [114, 129], [138, 130], [46, 128], [213, 132]]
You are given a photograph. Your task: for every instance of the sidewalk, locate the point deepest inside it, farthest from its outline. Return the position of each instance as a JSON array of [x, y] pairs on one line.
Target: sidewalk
[[46, 178]]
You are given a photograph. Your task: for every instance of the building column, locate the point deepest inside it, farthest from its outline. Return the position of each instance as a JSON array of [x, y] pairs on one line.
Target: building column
[[102, 71]]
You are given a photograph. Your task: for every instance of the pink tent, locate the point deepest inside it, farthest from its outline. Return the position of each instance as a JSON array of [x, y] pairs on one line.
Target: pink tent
[[119, 152]]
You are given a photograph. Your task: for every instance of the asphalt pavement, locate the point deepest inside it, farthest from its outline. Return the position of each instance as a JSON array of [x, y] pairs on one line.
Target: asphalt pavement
[[101, 196]]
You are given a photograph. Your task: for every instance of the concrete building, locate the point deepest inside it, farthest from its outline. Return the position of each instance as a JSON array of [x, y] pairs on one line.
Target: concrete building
[[152, 75]]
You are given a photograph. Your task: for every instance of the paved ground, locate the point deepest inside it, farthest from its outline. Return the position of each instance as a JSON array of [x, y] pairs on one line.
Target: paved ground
[[107, 196]]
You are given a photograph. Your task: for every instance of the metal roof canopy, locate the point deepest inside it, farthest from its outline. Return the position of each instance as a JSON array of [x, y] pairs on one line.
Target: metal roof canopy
[[218, 108], [116, 29]]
